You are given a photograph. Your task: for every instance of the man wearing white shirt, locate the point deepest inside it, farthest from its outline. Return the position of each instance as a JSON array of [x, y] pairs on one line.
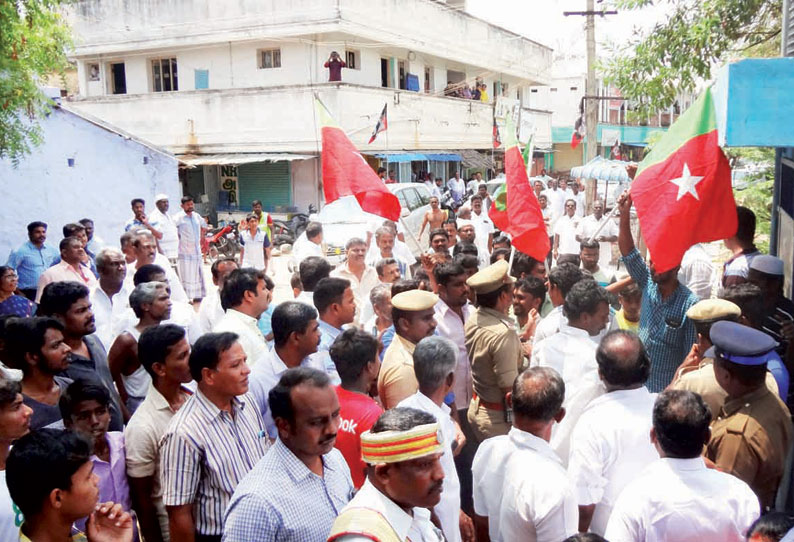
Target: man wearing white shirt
[[538, 499], [488, 474], [608, 234], [438, 189], [362, 277], [145, 250], [483, 226], [565, 231], [403, 482], [451, 312], [245, 297], [434, 366], [296, 335], [561, 280], [677, 496], [556, 199], [309, 243], [575, 193], [210, 311], [162, 222], [571, 353], [109, 297], [696, 271], [457, 187], [610, 445], [311, 271], [385, 247]]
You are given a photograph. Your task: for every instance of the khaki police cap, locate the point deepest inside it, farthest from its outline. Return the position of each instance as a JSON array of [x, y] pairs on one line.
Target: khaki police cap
[[713, 309], [414, 300], [491, 278]]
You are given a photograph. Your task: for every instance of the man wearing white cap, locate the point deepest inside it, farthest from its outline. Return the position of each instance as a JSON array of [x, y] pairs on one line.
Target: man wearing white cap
[[163, 222]]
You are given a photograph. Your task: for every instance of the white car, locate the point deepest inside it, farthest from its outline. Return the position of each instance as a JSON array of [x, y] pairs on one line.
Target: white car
[[344, 219]]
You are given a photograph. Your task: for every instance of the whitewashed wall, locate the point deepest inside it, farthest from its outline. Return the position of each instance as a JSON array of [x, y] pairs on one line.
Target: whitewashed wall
[[108, 172]]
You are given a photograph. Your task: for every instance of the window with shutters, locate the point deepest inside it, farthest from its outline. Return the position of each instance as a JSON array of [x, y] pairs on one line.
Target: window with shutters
[[352, 59], [164, 75], [269, 58]]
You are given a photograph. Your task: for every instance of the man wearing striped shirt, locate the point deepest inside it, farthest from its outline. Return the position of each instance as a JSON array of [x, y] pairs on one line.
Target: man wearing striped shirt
[[296, 491], [212, 441]]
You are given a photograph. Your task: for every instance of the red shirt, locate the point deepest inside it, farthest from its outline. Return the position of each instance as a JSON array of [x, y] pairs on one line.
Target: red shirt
[[357, 413], [335, 69]]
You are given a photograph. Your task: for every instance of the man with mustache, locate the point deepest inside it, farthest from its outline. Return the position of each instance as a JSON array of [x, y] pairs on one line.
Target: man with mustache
[[404, 480], [212, 441], [302, 483], [70, 304], [296, 336], [32, 258]]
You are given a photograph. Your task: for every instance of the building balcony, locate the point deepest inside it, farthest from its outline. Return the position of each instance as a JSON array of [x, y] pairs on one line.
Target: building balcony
[[282, 119], [107, 28]]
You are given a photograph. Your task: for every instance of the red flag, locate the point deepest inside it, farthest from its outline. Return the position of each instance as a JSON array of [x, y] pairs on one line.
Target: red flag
[[496, 139], [346, 173], [381, 126], [682, 189], [578, 132], [524, 221]]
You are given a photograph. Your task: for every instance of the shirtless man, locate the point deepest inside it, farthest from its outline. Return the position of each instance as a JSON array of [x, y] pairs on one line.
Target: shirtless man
[[151, 302], [435, 216]]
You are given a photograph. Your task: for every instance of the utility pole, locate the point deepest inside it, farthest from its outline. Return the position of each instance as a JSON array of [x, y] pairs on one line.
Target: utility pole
[[591, 98], [590, 105]]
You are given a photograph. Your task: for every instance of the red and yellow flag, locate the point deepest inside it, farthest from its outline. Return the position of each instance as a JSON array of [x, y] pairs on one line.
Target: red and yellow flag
[[346, 173], [516, 209]]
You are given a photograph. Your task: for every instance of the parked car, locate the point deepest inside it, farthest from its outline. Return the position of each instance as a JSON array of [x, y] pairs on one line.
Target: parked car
[[344, 219]]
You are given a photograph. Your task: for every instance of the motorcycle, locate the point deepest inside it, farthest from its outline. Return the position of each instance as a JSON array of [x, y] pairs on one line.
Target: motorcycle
[[287, 231], [222, 242]]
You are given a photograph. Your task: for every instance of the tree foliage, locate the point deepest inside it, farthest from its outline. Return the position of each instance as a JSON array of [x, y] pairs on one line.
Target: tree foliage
[[34, 38], [653, 68]]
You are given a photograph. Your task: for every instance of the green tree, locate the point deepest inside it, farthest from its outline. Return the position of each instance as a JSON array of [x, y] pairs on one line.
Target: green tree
[[34, 38], [652, 69]]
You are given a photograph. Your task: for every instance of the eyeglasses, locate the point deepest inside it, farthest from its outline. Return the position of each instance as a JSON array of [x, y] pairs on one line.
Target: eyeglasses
[[11, 276]]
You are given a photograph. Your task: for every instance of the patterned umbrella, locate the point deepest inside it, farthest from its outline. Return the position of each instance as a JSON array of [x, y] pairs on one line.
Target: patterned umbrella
[[602, 169]]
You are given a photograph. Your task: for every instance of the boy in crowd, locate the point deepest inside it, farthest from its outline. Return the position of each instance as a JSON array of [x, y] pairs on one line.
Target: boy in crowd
[[51, 480], [85, 408], [14, 423], [628, 317]]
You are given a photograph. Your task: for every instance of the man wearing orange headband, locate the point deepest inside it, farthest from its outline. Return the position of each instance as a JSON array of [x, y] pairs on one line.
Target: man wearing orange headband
[[404, 480]]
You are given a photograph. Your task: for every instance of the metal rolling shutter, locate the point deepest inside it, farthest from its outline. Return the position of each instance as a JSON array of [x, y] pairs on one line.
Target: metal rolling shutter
[[265, 181]]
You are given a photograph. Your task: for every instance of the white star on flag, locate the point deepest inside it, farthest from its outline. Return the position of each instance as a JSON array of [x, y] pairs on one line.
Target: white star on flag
[[686, 184]]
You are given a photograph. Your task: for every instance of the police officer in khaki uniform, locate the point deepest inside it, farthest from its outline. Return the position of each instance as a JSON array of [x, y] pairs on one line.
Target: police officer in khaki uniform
[[696, 373], [752, 434], [414, 319], [494, 350]]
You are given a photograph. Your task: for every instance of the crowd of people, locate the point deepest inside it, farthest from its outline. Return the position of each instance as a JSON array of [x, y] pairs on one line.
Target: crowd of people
[[470, 393]]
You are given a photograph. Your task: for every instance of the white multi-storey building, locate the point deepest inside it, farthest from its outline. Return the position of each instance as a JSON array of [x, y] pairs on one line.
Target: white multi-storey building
[[229, 85]]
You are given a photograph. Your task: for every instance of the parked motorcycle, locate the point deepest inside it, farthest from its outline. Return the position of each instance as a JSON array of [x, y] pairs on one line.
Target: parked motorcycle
[[287, 231], [222, 242]]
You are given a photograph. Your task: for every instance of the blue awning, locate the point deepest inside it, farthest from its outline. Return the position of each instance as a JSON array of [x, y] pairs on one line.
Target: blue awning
[[417, 157], [402, 157], [444, 157]]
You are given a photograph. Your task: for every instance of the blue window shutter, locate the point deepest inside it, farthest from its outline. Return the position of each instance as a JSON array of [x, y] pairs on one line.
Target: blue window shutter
[[202, 79]]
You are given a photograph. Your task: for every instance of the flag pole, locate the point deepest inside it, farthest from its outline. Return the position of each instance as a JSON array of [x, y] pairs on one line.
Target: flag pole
[[612, 214], [512, 257]]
